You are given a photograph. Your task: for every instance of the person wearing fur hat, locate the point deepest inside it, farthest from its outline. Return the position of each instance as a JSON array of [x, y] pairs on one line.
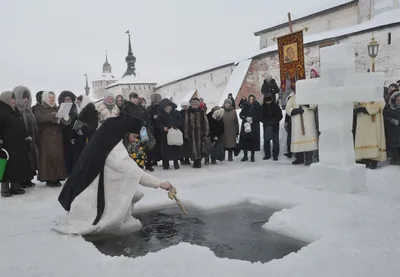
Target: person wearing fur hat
[[108, 108], [196, 131], [269, 87], [23, 98], [391, 89], [69, 137], [186, 145], [391, 115], [15, 139], [154, 155], [169, 118], [231, 128], [51, 167], [216, 129], [251, 115]]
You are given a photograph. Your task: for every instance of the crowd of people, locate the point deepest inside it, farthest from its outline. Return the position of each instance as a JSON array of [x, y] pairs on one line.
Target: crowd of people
[[42, 144]]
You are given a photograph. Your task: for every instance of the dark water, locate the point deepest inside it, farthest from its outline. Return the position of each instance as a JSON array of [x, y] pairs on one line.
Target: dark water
[[233, 233]]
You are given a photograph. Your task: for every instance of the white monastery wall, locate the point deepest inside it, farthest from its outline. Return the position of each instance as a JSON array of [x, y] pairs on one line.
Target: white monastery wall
[[99, 87], [210, 85], [342, 18], [143, 90]]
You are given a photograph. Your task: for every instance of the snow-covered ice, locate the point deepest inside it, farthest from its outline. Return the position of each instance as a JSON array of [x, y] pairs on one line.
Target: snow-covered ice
[[351, 235]]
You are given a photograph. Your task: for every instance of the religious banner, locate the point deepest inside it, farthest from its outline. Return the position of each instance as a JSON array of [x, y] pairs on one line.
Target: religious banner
[[291, 58]]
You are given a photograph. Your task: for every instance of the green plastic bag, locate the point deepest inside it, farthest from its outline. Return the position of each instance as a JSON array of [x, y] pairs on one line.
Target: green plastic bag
[[3, 164]]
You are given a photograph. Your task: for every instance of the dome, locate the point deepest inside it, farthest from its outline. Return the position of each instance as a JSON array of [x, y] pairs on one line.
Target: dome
[[130, 58]]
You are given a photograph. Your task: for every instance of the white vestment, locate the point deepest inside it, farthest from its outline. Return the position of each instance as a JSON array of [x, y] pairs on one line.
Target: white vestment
[[121, 179], [309, 140]]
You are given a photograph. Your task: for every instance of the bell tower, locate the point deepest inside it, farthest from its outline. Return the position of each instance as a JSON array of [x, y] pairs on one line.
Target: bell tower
[[130, 59]]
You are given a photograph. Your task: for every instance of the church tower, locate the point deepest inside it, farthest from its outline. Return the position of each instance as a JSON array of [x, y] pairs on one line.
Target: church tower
[[130, 59], [106, 65]]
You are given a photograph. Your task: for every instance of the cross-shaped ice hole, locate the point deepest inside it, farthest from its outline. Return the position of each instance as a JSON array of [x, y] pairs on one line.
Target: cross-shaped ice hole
[[335, 93]]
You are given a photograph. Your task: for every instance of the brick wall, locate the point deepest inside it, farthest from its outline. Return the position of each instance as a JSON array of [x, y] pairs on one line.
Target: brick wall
[[388, 60]]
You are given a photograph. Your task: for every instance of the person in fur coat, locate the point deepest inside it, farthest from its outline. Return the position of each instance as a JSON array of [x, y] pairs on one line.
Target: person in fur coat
[[14, 138], [196, 131], [23, 98], [51, 167], [108, 108]]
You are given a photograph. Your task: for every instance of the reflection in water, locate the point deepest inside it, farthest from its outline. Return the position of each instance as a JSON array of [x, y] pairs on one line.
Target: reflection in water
[[234, 233]]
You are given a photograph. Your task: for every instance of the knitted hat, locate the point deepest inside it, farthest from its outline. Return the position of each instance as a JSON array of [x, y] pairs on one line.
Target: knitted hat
[[185, 103], [195, 101]]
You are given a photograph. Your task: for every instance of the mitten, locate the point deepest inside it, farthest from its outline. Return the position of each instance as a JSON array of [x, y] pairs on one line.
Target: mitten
[[394, 121], [249, 119]]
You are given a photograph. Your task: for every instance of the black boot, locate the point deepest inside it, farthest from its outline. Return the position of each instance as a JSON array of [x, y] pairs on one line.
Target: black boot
[[206, 161], [176, 165], [149, 166], [165, 165], [213, 161], [16, 188], [197, 164], [245, 157], [182, 161], [299, 159], [372, 164], [230, 155], [308, 158], [187, 161], [252, 159], [288, 154], [5, 189]]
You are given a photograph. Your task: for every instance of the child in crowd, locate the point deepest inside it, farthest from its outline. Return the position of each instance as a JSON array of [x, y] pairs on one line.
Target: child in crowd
[[136, 149]]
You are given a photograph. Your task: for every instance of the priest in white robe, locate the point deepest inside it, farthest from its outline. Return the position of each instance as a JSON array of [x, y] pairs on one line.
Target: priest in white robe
[[99, 194], [304, 137], [370, 141]]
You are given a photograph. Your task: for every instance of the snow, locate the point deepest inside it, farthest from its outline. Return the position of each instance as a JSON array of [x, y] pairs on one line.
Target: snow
[[350, 235], [383, 4], [131, 80], [382, 19], [236, 80], [316, 9]]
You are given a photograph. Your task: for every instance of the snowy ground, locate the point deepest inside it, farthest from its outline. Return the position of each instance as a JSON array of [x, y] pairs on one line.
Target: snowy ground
[[351, 235]]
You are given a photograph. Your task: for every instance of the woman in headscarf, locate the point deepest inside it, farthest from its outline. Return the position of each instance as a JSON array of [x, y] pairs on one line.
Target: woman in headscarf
[[51, 167], [99, 195], [69, 139], [23, 98], [108, 108], [14, 138], [231, 128]]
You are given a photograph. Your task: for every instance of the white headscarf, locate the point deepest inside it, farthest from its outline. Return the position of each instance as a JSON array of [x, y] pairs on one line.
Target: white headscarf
[[45, 98], [85, 100]]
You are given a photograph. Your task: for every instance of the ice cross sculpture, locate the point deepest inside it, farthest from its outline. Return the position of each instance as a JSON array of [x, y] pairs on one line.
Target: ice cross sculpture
[[335, 93]]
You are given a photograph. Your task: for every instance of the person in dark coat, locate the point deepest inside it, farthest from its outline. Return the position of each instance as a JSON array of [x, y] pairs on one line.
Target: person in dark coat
[[154, 155], [85, 126], [168, 117], [38, 100], [23, 98], [51, 166], [271, 116], [216, 129], [251, 115], [67, 96], [186, 145], [134, 107], [391, 115], [14, 139], [270, 87], [196, 131], [242, 102], [230, 97]]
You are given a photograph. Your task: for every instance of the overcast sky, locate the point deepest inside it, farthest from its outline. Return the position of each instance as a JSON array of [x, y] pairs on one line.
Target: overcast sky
[[51, 44]]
